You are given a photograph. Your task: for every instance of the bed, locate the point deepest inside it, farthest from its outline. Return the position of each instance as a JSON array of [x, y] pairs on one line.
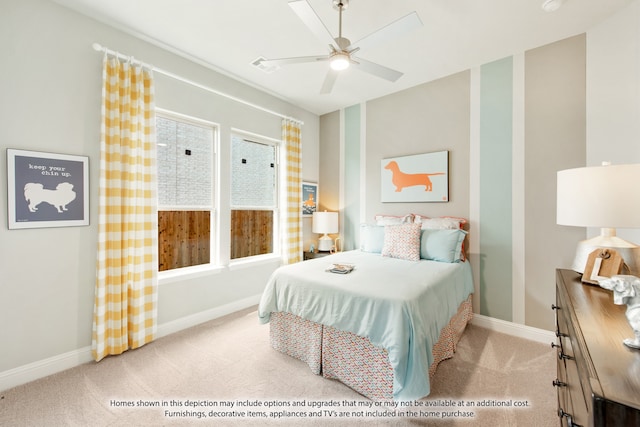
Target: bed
[[380, 329]]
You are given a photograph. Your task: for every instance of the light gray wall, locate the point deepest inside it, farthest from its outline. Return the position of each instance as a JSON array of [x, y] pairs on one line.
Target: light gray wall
[[50, 81], [330, 157], [329, 177], [555, 139], [427, 118], [613, 95]]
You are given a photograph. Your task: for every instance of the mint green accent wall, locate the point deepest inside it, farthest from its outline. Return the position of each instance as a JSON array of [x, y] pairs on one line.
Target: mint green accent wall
[[351, 214], [496, 107]]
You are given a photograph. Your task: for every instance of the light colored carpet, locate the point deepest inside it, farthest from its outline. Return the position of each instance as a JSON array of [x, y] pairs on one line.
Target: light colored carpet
[[230, 360]]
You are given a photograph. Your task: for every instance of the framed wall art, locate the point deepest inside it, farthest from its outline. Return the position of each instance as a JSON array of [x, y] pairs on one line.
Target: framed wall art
[[309, 198], [47, 189], [416, 178]]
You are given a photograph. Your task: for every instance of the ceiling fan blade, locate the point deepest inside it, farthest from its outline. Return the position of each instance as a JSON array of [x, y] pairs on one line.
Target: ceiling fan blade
[[329, 81], [395, 29], [306, 13], [294, 60], [377, 69]]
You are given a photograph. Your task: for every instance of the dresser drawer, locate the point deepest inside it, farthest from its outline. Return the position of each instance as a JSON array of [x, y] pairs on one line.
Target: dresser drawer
[[597, 384], [573, 400]]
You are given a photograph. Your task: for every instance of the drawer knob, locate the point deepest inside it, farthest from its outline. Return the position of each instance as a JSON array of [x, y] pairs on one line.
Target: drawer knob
[[554, 345], [560, 334], [555, 307], [563, 356], [569, 418], [558, 383]]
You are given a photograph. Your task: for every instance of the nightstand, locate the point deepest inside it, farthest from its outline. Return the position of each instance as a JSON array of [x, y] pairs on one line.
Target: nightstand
[[312, 255]]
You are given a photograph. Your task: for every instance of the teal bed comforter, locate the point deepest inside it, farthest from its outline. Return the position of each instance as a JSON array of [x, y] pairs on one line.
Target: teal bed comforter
[[398, 305]]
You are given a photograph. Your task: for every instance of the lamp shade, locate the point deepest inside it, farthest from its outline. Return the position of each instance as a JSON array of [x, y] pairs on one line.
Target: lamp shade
[[605, 197], [599, 196], [325, 222]]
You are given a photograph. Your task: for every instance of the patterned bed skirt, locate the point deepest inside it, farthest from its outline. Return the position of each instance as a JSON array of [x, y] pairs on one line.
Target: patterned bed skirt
[[352, 359]]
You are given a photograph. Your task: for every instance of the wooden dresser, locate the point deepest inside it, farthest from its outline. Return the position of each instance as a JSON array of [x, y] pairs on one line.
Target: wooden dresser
[[598, 380]]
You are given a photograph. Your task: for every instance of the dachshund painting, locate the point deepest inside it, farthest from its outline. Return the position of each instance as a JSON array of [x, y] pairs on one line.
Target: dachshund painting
[[402, 180]]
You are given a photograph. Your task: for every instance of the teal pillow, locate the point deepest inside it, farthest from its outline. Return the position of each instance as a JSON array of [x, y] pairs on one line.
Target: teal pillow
[[442, 245], [371, 238]]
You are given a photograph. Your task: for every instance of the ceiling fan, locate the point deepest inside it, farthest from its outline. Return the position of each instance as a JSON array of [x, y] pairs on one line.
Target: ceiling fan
[[342, 51]]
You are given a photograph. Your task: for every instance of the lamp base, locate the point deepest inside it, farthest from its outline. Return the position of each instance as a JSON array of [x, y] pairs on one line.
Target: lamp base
[[325, 243], [629, 252]]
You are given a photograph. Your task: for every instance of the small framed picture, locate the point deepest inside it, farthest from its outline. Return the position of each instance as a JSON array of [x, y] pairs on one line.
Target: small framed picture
[[309, 198], [47, 189]]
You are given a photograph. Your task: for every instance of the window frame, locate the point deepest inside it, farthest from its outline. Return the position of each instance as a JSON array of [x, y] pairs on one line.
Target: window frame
[[213, 266], [277, 207]]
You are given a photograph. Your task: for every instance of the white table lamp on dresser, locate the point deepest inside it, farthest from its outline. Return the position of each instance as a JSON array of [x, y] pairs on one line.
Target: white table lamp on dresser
[[607, 197]]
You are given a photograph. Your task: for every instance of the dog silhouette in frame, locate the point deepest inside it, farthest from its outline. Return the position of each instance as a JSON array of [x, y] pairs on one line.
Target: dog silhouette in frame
[[310, 202], [35, 193], [402, 180]]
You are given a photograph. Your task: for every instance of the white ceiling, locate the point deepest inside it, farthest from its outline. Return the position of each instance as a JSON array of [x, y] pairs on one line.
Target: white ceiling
[[456, 35]]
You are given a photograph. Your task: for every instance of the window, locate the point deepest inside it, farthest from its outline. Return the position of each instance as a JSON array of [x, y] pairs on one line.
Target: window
[[254, 196], [185, 190]]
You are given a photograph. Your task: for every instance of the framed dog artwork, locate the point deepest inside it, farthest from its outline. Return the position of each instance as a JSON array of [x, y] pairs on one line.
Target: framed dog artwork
[[47, 190], [416, 178]]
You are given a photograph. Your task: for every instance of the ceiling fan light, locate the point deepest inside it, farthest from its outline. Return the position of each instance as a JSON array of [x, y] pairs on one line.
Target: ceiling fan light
[[339, 62]]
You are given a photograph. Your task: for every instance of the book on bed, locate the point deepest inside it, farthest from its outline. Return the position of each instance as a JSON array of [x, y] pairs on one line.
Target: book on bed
[[341, 268]]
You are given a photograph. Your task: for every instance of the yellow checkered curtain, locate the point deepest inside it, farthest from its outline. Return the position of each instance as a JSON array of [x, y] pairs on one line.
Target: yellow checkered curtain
[[127, 262], [292, 236]]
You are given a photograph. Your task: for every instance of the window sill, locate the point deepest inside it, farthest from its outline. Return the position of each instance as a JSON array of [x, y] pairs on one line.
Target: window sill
[[253, 261], [187, 273], [180, 274]]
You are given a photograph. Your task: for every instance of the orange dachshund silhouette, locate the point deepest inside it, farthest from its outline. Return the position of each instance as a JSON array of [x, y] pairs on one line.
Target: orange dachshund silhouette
[[402, 180], [309, 202]]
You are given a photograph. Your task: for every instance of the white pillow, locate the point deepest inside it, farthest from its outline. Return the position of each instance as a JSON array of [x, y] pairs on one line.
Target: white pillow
[[393, 220], [442, 223], [371, 238]]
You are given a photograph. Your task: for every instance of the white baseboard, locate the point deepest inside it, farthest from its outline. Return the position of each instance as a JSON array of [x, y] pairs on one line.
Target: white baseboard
[[42, 368], [514, 329], [204, 316]]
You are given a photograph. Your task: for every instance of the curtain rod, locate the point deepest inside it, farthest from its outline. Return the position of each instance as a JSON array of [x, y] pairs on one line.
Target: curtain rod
[[98, 47]]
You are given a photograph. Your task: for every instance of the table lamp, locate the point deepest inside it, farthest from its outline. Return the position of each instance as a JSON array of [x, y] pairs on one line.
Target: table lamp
[[601, 196], [324, 223]]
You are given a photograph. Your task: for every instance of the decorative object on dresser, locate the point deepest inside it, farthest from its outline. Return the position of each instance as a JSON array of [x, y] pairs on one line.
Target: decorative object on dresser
[[601, 196], [626, 291], [325, 223], [598, 381], [602, 264]]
